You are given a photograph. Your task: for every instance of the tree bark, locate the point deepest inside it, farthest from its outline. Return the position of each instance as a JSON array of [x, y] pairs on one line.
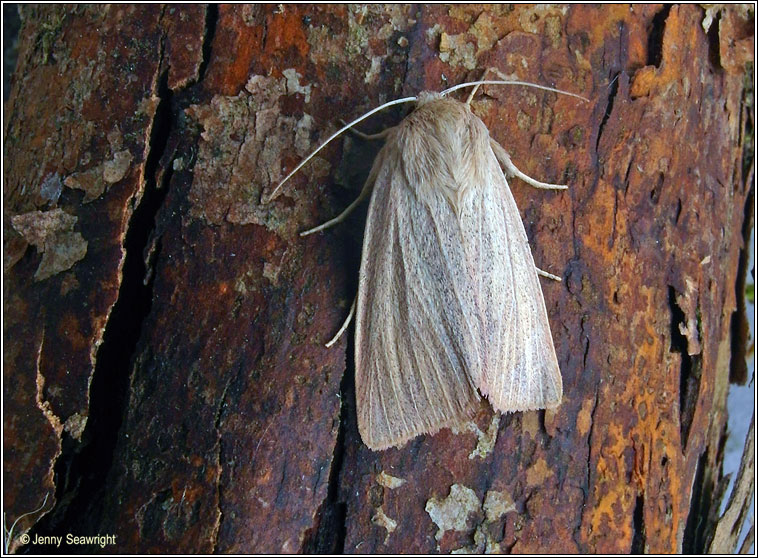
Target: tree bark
[[165, 379]]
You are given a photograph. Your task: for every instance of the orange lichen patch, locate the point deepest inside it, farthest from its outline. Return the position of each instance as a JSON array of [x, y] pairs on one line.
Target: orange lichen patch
[[584, 418], [643, 82], [594, 231], [285, 31], [611, 515], [234, 52]]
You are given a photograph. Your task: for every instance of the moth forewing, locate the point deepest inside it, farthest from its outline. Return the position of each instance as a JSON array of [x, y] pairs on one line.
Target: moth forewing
[[525, 375], [411, 374], [448, 298]]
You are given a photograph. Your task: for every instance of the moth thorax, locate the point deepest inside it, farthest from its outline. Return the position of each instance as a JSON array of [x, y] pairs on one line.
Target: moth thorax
[[426, 96], [443, 146]]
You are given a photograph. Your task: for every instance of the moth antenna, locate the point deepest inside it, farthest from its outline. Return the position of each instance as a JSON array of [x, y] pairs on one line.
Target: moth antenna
[[346, 323], [547, 274], [267, 198], [509, 82]]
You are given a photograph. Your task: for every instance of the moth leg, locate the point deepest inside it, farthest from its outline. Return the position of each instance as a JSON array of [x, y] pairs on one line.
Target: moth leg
[[484, 78], [342, 216], [370, 137], [511, 170], [546, 274], [342, 329], [476, 87]]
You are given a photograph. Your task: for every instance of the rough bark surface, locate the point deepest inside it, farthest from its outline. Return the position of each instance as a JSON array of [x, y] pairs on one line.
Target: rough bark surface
[[165, 379]]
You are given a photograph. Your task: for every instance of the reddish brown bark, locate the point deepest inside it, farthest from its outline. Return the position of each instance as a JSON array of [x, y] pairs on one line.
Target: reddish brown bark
[[170, 385]]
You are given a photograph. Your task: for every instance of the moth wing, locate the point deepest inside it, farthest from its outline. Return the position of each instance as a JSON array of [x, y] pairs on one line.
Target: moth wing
[[519, 370], [411, 357]]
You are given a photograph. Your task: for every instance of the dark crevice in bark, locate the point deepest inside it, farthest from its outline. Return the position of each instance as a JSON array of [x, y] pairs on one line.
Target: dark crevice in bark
[[82, 470], [577, 533], [586, 339], [211, 20], [638, 526], [329, 533], [689, 370], [613, 89], [693, 541], [714, 49], [655, 37], [328, 537], [740, 330]]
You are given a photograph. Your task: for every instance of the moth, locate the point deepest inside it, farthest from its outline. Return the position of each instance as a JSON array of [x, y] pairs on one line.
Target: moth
[[449, 305]]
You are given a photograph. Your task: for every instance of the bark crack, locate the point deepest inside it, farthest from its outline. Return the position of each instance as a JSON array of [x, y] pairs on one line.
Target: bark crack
[[83, 467], [655, 37], [588, 477], [638, 525], [329, 535], [689, 372], [211, 20], [614, 87]]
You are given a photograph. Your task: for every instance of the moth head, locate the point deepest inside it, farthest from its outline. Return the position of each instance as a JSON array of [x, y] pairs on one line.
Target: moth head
[[426, 96]]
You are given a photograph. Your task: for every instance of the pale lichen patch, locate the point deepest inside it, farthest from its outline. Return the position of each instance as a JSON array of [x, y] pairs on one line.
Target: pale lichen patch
[[50, 190], [95, 180], [689, 304], [457, 511], [453, 512], [43, 404], [486, 440], [457, 50], [374, 70], [75, 425], [116, 169], [90, 182], [293, 84], [388, 481], [497, 504], [485, 32], [303, 135], [433, 32], [240, 156], [382, 520], [51, 232], [532, 18]]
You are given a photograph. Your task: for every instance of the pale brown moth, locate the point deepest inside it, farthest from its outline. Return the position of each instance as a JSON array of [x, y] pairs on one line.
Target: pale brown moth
[[448, 297]]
